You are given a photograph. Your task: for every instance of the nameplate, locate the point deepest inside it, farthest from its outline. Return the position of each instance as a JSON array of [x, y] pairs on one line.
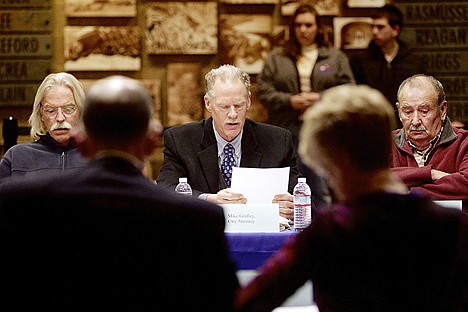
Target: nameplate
[[251, 218]]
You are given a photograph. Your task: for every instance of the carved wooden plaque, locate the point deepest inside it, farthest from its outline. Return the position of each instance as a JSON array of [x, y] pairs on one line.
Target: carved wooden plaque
[[25, 3], [17, 94], [26, 21], [25, 45], [24, 70]]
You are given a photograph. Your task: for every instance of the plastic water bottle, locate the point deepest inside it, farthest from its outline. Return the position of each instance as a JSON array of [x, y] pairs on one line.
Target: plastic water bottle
[[183, 187], [302, 205]]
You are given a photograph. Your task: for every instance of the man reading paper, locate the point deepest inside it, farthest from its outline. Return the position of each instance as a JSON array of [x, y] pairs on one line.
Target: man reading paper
[[205, 151]]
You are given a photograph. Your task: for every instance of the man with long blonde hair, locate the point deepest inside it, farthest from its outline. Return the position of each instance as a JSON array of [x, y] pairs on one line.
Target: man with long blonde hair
[[56, 110]]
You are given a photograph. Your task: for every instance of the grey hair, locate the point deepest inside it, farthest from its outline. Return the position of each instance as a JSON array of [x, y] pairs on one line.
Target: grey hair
[[420, 80], [52, 80], [226, 73]]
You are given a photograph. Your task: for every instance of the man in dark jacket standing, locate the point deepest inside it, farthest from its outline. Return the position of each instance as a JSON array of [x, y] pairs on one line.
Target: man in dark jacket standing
[[387, 61]]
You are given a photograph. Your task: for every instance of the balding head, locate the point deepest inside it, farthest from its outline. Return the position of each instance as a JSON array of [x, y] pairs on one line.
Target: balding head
[[117, 109]]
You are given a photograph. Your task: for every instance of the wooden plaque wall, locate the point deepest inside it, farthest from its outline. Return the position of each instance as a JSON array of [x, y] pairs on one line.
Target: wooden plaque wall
[[25, 49]]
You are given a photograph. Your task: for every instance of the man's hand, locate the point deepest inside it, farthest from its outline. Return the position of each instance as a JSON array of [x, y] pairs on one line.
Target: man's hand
[[437, 174], [226, 197], [286, 205]]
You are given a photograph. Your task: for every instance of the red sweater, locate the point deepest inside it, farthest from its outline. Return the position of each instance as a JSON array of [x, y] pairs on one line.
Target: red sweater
[[449, 155]]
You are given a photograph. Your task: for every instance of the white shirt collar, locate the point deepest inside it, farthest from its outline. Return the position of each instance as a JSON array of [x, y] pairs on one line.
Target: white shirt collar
[[222, 142]]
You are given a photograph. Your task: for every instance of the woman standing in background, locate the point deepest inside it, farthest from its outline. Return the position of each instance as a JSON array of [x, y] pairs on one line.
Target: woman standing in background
[[294, 76]]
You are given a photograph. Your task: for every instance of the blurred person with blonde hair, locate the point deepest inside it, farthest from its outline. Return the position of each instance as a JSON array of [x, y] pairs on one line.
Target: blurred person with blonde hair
[[377, 248]]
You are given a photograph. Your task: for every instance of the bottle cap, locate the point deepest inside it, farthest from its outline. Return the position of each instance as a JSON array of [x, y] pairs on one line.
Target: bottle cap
[[301, 179], [182, 179]]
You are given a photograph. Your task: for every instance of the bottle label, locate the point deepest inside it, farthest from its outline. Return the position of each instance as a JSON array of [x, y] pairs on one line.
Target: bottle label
[[302, 211], [302, 200]]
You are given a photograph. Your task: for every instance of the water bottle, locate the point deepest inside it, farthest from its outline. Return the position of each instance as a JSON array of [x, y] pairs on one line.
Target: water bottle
[[183, 187], [302, 205]]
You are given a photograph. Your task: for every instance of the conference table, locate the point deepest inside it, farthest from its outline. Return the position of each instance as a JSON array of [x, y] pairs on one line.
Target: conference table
[[250, 250]]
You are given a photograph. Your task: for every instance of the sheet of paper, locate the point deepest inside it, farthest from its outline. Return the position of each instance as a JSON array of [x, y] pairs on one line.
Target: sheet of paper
[[456, 204], [260, 185]]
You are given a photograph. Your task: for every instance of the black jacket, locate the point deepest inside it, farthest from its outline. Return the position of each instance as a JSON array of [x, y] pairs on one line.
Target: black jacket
[[370, 67], [191, 151], [108, 239]]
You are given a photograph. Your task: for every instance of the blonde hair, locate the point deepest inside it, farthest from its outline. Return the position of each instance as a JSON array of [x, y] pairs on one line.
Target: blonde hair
[[52, 80], [355, 120]]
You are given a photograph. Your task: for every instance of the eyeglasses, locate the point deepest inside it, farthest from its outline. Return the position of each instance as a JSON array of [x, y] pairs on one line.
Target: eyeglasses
[[51, 111]]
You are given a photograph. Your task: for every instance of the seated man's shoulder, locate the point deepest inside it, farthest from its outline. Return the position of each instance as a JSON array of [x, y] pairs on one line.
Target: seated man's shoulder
[[266, 128], [186, 129], [462, 133], [32, 185], [24, 147]]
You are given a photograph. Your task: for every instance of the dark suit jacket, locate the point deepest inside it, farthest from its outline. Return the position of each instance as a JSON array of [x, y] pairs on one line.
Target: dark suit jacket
[[191, 151], [108, 239]]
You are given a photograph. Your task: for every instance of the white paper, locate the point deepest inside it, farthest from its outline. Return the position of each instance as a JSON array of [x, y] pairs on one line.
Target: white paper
[[311, 308], [456, 204], [260, 185]]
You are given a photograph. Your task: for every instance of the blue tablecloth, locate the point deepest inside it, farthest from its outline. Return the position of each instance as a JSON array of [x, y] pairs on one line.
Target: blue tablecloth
[[250, 250]]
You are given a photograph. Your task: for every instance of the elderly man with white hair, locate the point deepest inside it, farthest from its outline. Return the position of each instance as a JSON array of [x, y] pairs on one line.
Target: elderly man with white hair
[[57, 108], [429, 155]]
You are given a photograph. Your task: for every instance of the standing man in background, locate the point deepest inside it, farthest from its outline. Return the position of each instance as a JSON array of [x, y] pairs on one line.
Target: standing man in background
[[57, 108], [387, 61]]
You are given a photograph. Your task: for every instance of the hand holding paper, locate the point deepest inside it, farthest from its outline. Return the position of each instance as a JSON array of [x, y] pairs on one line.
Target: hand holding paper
[[260, 185], [226, 196]]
